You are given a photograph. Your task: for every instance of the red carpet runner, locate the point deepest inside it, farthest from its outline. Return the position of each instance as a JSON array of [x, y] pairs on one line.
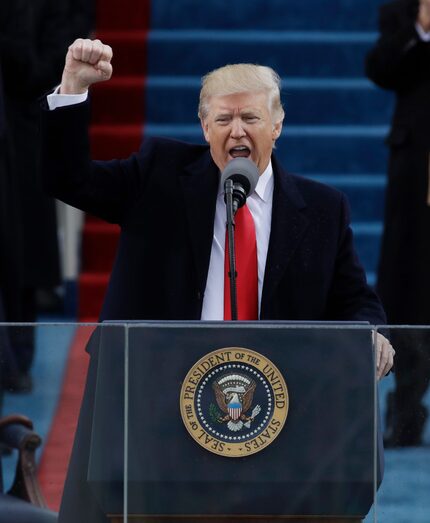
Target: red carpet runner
[[56, 455], [116, 131]]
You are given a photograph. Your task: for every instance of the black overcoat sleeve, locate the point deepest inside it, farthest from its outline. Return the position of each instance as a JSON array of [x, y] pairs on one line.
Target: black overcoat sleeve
[[399, 60], [106, 189]]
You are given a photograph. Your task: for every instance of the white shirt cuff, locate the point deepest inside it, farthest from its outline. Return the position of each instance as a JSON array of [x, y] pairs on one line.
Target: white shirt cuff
[[424, 35], [62, 100]]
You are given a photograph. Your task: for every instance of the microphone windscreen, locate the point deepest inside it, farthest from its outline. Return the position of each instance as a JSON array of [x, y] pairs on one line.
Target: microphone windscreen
[[243, 171]]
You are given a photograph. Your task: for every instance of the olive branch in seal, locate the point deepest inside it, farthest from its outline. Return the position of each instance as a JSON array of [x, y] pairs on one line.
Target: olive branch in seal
[[214, 414]]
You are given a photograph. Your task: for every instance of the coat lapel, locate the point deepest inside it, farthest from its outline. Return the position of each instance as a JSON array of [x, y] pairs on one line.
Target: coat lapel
[[200, 187], [289, 224]]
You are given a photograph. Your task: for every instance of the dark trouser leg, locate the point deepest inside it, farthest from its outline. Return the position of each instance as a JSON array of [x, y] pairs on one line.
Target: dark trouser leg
[[406, 415]]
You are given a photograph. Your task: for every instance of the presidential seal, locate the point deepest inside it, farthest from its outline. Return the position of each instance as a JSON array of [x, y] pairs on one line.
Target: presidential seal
[[234, 402]]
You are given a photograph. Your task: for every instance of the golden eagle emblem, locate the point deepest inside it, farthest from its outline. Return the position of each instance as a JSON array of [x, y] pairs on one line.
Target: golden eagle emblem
[[234, 394]]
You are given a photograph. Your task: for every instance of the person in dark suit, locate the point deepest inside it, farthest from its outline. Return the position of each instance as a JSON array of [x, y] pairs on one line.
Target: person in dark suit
[[9, 371], [34, 37], [169, 203], [6, 357], [12, 509], [399, 61]]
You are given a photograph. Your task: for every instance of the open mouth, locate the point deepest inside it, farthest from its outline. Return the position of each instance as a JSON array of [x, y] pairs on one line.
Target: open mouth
[[240, 151]]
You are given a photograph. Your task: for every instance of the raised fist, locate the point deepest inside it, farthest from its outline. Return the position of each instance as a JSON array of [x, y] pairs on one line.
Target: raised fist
[[87, 62], [424, 14]]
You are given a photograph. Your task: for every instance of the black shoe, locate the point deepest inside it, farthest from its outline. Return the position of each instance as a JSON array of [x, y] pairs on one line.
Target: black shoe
[[22, 383]]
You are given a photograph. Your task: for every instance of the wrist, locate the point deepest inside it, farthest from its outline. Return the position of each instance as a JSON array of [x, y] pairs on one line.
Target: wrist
[[424, 19], [69, 86]]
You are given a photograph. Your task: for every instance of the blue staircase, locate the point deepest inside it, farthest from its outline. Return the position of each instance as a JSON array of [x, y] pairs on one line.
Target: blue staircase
[[336, 119]]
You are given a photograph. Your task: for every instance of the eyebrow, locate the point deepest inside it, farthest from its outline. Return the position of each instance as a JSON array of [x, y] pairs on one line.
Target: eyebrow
[[250, 112], [245, 112]]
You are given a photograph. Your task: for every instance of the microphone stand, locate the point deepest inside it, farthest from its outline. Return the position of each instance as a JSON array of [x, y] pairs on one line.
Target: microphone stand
[[231, 249]]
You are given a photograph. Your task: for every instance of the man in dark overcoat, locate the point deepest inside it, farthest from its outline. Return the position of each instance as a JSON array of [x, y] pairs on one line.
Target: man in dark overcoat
[[169, 202]]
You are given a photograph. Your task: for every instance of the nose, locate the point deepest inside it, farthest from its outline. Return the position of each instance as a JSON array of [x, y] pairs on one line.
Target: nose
[[237, 129]]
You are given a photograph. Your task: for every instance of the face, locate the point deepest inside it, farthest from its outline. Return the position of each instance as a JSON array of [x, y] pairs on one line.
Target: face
[[240, 125]]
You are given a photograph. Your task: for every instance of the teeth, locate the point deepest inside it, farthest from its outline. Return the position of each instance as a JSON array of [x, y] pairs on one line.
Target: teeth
[[240, 148]]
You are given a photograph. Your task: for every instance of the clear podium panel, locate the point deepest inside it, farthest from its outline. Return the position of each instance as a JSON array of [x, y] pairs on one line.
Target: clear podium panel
[[104, 418], [405, 405], [43, 370], [234, 420], [158, 403]]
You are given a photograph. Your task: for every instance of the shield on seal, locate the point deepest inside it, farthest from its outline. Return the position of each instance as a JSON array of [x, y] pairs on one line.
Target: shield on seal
[[235, 408]]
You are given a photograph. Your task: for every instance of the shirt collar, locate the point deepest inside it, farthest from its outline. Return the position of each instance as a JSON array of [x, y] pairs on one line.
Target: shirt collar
[[264, 184]]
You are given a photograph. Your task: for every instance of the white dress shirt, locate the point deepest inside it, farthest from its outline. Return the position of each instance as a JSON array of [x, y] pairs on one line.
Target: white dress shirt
[[62, 100], [424, 35], [260, 206]]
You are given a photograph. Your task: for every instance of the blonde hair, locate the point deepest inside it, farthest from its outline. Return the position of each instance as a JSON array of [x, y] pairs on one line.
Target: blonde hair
[[242, 78]]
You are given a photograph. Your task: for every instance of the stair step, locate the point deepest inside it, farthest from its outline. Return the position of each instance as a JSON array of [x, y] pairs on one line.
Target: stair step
[[127, 16], [365, 194], [129, 51], [290, 53], [276, 14], [119, 101], [371, 278], [368, 180], [115, 141], [174, 100], [297, 83], [99, 244], [373, 229], [332, 131], [257, 37]]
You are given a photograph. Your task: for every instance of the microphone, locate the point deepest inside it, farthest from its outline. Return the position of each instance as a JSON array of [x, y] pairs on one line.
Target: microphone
[[243, 173]]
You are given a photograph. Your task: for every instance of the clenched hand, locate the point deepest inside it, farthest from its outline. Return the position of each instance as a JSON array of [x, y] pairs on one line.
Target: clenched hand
[[87, 62], [424, 14]]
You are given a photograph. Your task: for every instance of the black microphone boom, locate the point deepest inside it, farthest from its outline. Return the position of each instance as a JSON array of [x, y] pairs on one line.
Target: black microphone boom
[[244, 175]]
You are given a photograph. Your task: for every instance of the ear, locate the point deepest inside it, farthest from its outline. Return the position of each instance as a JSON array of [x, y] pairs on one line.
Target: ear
[[205, 128], [276, 131]]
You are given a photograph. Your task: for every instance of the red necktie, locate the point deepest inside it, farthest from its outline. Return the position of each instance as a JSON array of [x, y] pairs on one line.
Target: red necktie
[[246, 268]]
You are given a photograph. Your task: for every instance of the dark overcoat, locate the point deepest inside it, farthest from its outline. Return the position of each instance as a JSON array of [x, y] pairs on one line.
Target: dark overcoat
[[34, 36], [400, 62]]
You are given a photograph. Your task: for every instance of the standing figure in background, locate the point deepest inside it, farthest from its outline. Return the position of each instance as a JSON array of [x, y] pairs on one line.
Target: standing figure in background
[[34, 36], [400, 61], [8, 366]]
